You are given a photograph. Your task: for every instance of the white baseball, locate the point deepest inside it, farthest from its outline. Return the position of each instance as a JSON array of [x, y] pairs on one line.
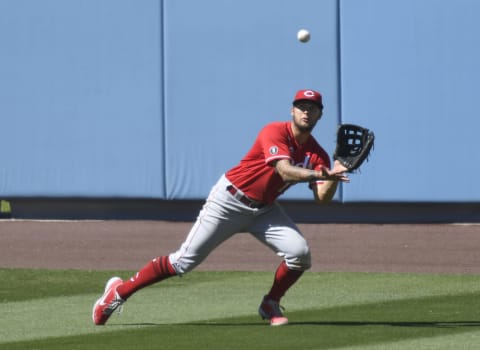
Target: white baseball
[[303, 35]]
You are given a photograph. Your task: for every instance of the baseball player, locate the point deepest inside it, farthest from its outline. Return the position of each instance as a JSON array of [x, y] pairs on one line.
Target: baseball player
[[244, 200]]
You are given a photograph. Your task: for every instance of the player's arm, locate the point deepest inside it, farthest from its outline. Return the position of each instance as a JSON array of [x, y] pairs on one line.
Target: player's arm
[[292, 174], [324, 191]]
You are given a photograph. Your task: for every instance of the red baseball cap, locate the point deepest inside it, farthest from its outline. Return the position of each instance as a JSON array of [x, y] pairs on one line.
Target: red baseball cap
[[309, 95]]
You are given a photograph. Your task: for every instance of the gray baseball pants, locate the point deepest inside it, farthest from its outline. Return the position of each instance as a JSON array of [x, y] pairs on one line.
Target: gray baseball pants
[[223, 215]]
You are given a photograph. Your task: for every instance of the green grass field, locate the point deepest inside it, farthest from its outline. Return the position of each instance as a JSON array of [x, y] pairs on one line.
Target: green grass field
[[44, 309]]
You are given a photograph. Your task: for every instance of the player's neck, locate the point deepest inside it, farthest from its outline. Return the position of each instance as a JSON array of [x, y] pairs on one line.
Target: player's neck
[[301, 136]]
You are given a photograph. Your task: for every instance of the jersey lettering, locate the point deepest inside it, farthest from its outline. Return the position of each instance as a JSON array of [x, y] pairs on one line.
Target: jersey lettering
[[306, 162]]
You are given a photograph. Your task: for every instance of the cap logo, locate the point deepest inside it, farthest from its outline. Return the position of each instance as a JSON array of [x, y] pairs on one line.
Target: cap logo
[[309, 93]]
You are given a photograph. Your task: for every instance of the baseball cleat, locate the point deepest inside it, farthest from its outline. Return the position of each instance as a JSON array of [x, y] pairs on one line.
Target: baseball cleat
[[108, 302], [271, 310]]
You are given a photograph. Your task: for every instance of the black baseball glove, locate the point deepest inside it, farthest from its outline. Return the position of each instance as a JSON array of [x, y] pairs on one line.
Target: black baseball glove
[[354, 144]]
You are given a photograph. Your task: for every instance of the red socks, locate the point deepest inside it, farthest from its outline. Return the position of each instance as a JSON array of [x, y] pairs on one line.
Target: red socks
[[160, 268], [155, 271], [284, 279]]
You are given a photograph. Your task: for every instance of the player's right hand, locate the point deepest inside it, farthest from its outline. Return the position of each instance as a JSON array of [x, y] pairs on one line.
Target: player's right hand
[[337, 173]]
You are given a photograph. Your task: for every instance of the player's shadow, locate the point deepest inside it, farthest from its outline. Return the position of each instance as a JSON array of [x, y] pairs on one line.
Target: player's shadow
[[437, 324]]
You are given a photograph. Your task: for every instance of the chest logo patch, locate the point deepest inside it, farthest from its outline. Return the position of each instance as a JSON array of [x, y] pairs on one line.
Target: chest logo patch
[[273, 150]]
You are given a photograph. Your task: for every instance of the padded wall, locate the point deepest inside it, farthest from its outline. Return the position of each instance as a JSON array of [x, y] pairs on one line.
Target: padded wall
[[80, 98], [410, 71], [157, 98], [233, 66]]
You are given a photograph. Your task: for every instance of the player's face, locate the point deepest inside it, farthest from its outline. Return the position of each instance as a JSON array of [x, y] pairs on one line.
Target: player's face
[[305, 115]]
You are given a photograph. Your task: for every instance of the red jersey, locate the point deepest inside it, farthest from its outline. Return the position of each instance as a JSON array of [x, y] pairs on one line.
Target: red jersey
[[255, 175]]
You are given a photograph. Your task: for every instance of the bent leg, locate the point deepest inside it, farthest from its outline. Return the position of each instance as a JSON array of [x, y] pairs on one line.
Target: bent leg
[[279, 232], [276, 230]]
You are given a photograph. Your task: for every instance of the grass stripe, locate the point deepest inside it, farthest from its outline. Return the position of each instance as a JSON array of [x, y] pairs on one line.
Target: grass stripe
[[363, 326], [202, 309], [463, 341]]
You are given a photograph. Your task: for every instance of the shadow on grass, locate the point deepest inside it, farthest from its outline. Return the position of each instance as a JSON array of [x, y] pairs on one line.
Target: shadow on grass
[[440, 324], [394, 324], [428, 320], [448, 311]]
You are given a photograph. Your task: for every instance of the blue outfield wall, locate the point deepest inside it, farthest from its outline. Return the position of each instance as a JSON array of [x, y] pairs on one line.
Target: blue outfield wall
[[410, 70], [81, 98], [155, 99]]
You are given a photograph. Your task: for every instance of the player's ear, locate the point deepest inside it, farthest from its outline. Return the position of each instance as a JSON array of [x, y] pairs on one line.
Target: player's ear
[[291, 111]]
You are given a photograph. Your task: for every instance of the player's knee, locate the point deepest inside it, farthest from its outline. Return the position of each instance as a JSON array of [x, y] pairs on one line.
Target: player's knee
[[301, 261]]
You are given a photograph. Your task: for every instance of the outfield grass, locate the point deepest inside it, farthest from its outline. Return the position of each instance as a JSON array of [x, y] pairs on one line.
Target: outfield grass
[[43, 309]]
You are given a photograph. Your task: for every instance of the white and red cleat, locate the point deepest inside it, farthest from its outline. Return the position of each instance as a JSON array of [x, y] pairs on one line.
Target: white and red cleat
[[108, 302], [270, 310]]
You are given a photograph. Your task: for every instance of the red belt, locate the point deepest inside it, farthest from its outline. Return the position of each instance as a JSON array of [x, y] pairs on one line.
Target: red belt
[[244, 199]]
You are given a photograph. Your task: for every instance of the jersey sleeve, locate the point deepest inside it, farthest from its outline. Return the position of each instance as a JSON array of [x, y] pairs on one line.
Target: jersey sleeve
[[274, 143]]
